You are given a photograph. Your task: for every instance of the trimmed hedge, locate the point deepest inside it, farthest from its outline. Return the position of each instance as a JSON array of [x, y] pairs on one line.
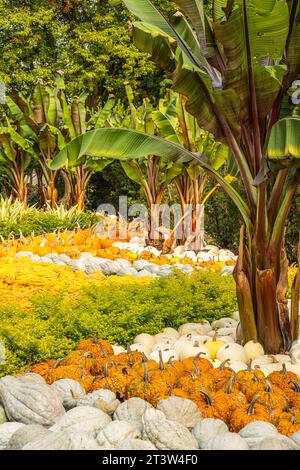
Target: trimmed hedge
[[118, 313]]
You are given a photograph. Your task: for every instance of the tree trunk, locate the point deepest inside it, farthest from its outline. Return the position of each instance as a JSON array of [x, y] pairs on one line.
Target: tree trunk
[[262, 286]]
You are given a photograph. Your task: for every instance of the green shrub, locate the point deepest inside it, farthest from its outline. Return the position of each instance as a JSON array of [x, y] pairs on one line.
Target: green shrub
[[38, 221], [117, 313]]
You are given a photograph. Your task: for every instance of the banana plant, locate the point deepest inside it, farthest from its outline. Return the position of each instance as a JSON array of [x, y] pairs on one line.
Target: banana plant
[[175, 124], [51, 122], [236, 71], [16, 156]]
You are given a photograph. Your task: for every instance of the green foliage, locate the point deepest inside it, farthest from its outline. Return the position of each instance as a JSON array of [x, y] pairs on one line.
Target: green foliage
[[32, 220], [90, 41], [118, 313]]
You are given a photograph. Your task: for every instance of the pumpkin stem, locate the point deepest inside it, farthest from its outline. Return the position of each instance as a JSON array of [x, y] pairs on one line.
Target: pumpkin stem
[[249, 366], [275, 361], [144, 358], [103, 350], [128, 349], [161, 362], [296, 385], [106, 373], [170, 361], [95, 340], [268, 388], [223, 364], [230, 383], [250, 409], [57, 363], [207, 397], [146, 373], [283, 370], [255, 377]]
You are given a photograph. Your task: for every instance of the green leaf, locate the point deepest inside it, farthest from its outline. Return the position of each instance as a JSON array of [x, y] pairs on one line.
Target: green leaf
[[124, 145], [284, 143], [105, 112], [132, 171]]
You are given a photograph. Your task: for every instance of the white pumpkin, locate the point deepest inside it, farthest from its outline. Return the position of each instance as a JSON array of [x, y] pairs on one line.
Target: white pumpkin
[[253, 349], [276, 442], [164, 338], [32, 377], [135, 444], [236, 366], [207, 429], [26, 434], [225, 322], [191, 350], [226, 339], [236, 316], [141, 348], [227, 332], [163, 346], [83, 441], [283, 358], [233, 351], [82, 419], [132, 411], [195, 328], [227, 441], [296, 438], [215, 362], [3, 417], [118, 349], [181, 410], [166, 355], [171, 332], [6, 432], [52, 441], [70, 392], [166, 434], [116, 432], [256, 431], [104, 400], [146, 339], [295, 355], [30, 402]]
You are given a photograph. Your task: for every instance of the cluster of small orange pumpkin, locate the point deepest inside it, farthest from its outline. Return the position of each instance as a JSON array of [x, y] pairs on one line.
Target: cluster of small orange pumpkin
[[73, 243], [236, 398]]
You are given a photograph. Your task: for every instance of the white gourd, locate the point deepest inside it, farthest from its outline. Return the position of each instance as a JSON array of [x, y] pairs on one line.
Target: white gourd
[[166, 355], [207, 429], [140, 348], [32, 377], [194, 328], [166, 434], [6, 431], [253, 349], [193, 349], [164, 338], [181, 410], [52, 441], [225, 322], [256, 431], [135, 444], [233, 351], [227, 441], [82, 419], [3, 417], [171, 332], [236, 366], [132, 411], [273, 443], [70, 392], [25, 434], [118, 349], [103, 399], [146, 339], [29, 402], [116, 432], [83, 441]]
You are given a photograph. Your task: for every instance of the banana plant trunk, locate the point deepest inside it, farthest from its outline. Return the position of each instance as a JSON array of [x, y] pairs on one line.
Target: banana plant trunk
[[261, 277]]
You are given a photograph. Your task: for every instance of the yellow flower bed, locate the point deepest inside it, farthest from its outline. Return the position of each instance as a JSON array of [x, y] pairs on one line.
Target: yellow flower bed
[[21, 279]]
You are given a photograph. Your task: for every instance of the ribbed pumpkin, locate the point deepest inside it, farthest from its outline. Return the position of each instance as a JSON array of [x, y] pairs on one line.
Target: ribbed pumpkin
[[245, 414], [211, 405], [150, 390], [289, 422], [283, 377], [99, 347], [117, 379]]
